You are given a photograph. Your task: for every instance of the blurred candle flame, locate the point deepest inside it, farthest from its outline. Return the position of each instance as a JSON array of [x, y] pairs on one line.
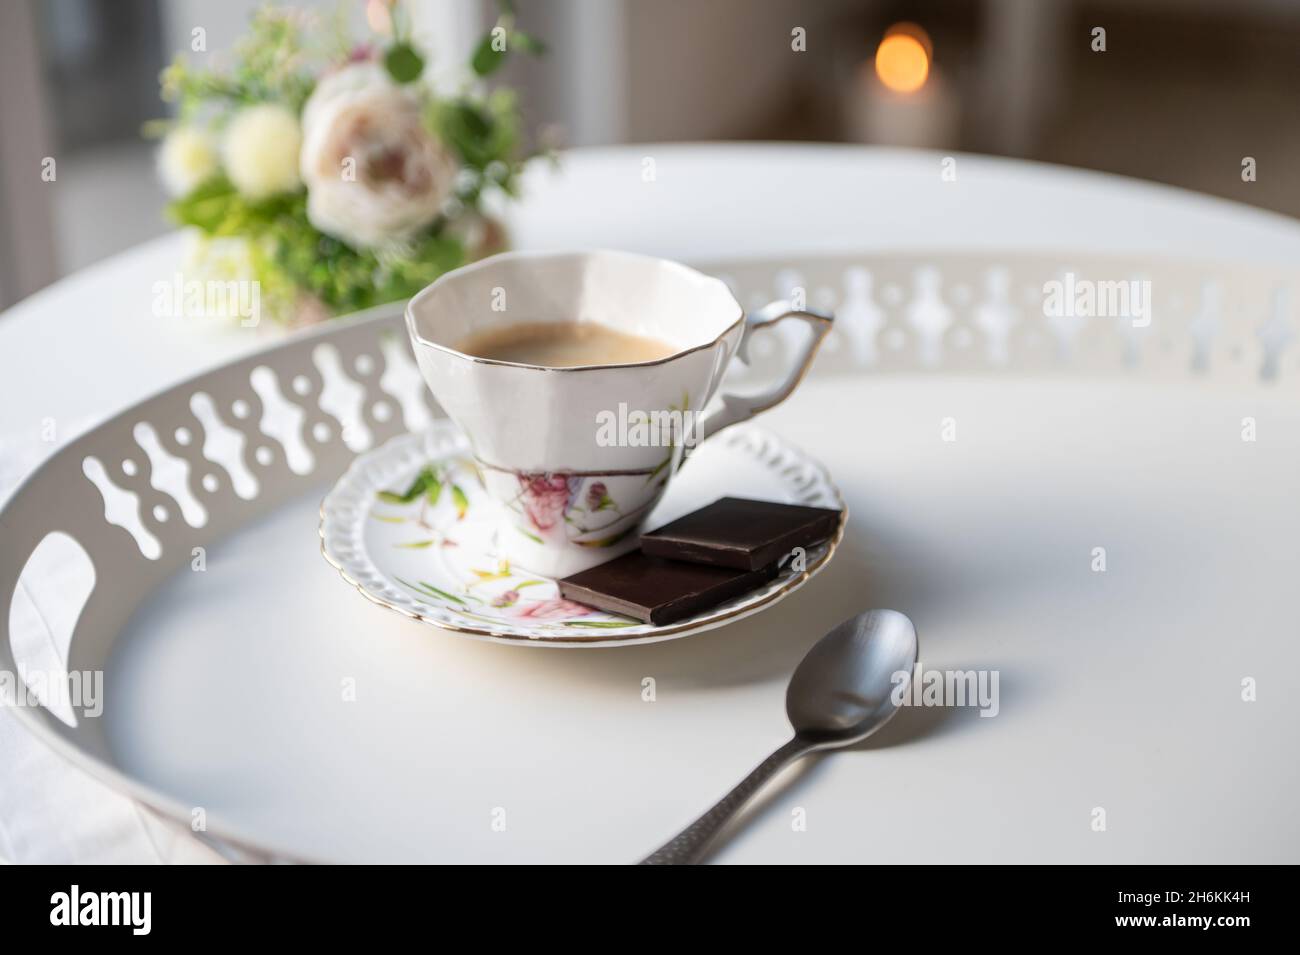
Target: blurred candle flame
[[903, 58]]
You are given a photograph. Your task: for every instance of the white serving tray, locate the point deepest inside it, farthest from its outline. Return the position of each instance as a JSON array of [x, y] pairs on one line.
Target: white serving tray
[[1120, 690]]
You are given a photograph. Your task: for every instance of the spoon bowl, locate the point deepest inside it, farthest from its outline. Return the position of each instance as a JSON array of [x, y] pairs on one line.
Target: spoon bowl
[[841, 692], [843, 689]]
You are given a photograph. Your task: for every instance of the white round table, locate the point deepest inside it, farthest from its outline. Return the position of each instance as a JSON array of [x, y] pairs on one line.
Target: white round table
[[88, 346]]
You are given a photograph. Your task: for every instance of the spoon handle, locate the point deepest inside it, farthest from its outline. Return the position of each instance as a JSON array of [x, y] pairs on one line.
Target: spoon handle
[[688, 846]]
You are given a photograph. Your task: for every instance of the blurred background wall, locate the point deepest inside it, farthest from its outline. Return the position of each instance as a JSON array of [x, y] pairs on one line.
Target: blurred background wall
[[1183, 91]]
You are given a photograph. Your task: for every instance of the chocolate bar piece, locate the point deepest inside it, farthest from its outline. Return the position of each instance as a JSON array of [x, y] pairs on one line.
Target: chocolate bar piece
[[659, 591], [737, 532]]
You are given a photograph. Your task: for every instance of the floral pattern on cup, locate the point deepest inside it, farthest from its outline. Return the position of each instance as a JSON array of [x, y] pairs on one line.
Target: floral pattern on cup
[[546, 498], [443, 512], [565, 508], [586, 508]]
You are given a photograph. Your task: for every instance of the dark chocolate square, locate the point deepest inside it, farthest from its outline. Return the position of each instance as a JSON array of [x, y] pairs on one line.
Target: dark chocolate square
[[740, 533], [659, 591]]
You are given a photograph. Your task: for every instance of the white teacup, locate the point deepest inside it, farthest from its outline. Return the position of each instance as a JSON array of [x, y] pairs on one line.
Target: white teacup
[[578, 456]]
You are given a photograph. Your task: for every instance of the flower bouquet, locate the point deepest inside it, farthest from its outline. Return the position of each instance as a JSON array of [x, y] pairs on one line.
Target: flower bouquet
[[328, 172]]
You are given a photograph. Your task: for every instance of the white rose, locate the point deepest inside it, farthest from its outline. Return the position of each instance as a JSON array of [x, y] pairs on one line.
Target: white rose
[[187, 157], [375, 175], [260, 150]]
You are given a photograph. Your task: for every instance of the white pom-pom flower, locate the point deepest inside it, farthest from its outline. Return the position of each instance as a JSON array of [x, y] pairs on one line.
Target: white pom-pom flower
[[260, 150], [187, 157]]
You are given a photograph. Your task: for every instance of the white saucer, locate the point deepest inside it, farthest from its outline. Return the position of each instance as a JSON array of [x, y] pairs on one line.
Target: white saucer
[[433, 556]]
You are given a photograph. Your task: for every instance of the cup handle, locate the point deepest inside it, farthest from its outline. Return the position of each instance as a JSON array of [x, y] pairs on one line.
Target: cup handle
[[737, 408]]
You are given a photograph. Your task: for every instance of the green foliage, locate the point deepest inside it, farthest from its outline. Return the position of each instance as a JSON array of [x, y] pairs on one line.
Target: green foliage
[[343, 278], [271, 64], [528, 43], [348, 280], [491, 52], [485, 134], [487, 58], [403, 64], [218, 209]]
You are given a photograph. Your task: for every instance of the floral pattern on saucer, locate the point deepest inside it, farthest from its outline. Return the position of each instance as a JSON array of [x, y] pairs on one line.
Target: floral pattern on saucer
[[445, 509], [413, 528]]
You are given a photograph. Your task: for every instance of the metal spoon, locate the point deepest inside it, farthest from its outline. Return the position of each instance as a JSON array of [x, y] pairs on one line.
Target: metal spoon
[[839, 695]]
